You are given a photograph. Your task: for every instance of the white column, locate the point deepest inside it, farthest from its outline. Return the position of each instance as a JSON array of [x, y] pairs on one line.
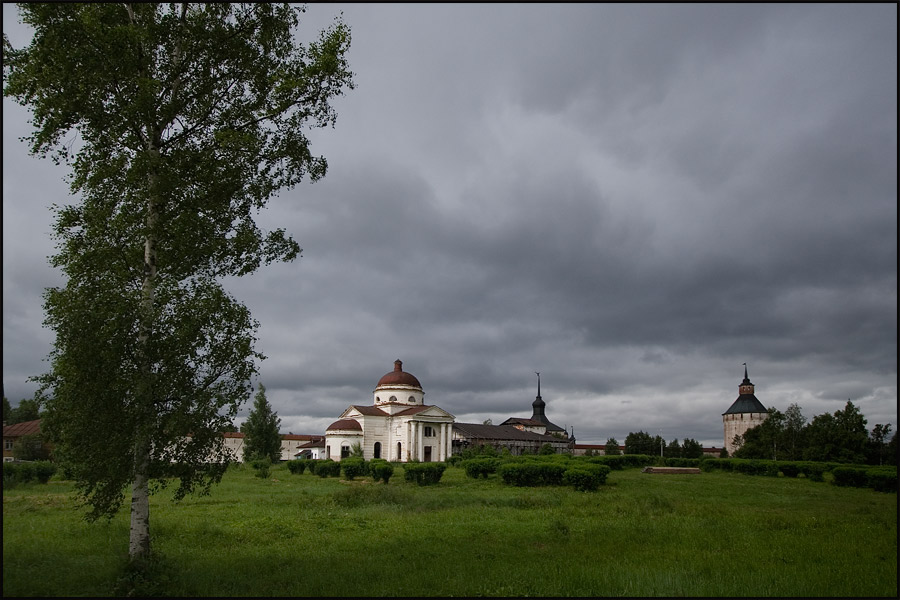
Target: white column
[[409, 439], [420, 440]]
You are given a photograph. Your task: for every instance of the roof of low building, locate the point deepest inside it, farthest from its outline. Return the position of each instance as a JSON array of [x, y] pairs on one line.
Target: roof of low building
[[345, 425], [24, 428], [521, 421], [370, 411], [502, 432]]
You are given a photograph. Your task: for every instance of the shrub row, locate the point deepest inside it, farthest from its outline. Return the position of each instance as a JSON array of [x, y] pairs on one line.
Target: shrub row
[[881, 479], [751, 466], [25, 472], [298, 466], [623, 461], [582, 475], [480, 467], [424, 473], [381, 469]]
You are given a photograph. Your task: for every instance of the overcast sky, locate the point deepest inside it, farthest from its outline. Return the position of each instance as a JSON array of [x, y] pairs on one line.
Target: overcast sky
[[633, 200]]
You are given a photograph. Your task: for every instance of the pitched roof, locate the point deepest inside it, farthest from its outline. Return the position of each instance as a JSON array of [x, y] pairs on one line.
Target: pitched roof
[[24, 428], [412, 410], [501, 432], [369, 410], [746, 403], [521, 421]]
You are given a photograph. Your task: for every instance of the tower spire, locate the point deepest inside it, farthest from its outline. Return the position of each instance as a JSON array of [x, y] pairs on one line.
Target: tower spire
[[539, 383]]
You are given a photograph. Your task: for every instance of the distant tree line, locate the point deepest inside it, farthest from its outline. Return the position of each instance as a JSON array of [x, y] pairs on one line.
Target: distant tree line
[[839, 437], [642, 442], [27, 410]]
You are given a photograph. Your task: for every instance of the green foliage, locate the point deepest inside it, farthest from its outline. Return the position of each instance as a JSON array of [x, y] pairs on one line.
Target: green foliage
[[691, 448], [480, 467], [882, 479], [612, 447], [188, 120], [849, 477], [27, 410], [261, 466], [424, 473], [30, 447], [44, 470], [641, 443], [262, 438], [381, 470], [356, 450], [546, 450], [328, 468], [532, 473], [298, 466], [353, 467], [789, 469], [585, 477]]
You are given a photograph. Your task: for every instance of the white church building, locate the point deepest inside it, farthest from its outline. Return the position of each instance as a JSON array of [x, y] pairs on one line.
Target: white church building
[[397, 426]]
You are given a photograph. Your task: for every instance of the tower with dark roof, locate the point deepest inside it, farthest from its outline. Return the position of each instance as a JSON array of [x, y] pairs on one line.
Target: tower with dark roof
[[746, 412]]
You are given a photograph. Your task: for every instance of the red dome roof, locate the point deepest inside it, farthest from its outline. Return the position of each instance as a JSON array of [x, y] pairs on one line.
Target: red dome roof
[[345, 425], [398, 377]]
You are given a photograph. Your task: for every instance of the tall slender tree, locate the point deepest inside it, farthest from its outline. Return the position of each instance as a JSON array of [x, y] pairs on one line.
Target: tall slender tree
[[261, 436], [179, 123]]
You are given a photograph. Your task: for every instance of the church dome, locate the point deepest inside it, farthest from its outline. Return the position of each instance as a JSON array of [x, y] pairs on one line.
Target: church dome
[[398, 378]]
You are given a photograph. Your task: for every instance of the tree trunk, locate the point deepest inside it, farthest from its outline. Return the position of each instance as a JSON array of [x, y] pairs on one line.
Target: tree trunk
[[139, 541]]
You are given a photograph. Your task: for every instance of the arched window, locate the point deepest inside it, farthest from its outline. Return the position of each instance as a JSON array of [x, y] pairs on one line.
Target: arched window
[[412, 398], [399, 453], [377, 398], [393, 398], [377, 449]]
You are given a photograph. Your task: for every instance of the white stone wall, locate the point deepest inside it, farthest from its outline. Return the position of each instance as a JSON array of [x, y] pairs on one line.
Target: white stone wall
[[737, 424]]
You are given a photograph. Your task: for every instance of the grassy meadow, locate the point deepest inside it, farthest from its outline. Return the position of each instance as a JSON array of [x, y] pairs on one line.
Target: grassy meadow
[[712, 534]]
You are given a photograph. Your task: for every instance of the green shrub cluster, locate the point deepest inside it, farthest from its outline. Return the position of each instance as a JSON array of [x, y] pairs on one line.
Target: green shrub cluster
[[25, 472], [586, 477], [480, 467], [353, 467], [261, 466], [327, 468], [298, 466], [380, 469], [531, 473], [882, 479], [623, 461], [424, 473]]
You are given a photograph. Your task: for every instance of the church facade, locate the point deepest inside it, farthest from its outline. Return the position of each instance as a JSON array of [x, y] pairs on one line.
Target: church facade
[[397, 426], [746, 412]]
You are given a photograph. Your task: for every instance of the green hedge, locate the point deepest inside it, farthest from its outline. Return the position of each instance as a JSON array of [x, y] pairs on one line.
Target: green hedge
[[480, 467], [586, 478], [15, 473], [298, 466], [328, 468], [882, 479], [354, 467], [532, 473], [424, 473], [380, 469]]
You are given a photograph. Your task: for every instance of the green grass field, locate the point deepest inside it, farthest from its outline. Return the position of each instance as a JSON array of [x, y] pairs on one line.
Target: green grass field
[[713, 534]]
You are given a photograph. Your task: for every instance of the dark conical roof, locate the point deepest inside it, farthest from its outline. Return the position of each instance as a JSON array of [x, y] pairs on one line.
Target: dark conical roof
[[746, 402]]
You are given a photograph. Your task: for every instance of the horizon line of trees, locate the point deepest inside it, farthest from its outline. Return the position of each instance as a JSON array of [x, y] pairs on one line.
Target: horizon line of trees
[[839, 437]]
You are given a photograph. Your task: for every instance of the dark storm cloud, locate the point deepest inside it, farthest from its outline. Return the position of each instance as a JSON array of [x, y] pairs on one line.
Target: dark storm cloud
[[633, 200]]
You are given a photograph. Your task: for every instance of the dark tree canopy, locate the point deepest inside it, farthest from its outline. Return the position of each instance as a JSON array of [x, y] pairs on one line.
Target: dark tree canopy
[[261, 436], [179, 123]]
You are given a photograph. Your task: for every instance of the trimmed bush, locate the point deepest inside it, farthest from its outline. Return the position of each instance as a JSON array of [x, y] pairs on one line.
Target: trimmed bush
[[354, 467], [328, 468], [381, 469], [789, 469], [532, 473], [586, 478], [298, 466], [882, 479], [44, 470], [480, 467], [849, 477], [424, 473], [813, 471]]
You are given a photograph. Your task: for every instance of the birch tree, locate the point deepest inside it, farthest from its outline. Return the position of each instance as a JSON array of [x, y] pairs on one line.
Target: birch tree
[[179, 123]]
